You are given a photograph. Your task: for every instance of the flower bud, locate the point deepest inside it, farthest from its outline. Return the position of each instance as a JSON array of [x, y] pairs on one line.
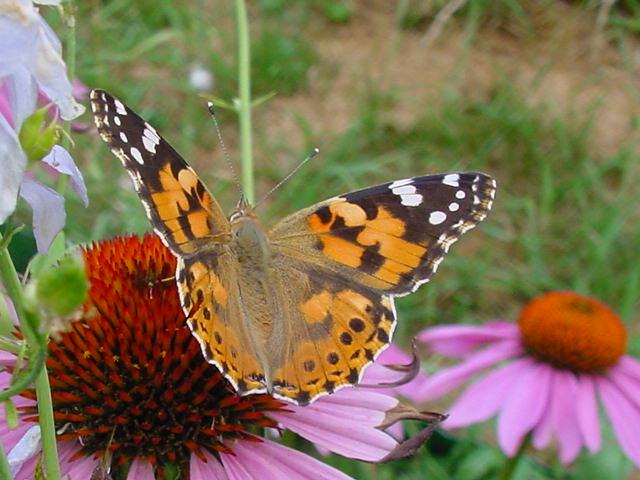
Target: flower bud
[[63, 288], [36, 138]]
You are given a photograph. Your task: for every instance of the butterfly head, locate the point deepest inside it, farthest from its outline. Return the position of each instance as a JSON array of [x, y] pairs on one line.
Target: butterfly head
[[243, 210]]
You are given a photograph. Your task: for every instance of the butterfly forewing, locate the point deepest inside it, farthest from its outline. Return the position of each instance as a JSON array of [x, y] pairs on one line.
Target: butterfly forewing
[[391, 237], [179, 206]]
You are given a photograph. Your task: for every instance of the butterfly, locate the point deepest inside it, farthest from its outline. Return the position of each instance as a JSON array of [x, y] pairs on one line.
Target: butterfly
[[301, 309]]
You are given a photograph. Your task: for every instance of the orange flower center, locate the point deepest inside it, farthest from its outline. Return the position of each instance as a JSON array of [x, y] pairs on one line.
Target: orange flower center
[[572, 331]]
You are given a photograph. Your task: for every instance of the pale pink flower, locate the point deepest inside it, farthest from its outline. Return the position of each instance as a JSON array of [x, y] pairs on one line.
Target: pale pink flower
[[130, 377], [30, 61], [543, 376]]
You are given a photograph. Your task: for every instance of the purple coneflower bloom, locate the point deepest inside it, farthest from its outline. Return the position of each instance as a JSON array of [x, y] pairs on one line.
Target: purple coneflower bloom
[[133, 394], [542, 376]]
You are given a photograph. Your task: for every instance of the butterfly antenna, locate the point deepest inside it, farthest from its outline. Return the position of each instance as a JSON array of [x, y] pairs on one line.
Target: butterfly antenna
[[313, 153], [212, 111]]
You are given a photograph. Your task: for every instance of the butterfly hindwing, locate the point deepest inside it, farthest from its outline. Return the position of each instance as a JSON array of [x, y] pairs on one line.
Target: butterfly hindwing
[[179, 206]]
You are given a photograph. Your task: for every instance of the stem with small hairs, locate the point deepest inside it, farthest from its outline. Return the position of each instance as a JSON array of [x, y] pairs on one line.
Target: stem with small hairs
[[244, 107]]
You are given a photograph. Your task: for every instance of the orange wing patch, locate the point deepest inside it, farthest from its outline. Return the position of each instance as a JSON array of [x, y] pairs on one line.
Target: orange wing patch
[[223, 342], [346, 330], [347, 236]]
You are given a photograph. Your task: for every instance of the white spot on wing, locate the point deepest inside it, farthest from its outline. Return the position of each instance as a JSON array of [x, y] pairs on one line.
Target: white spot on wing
[[411, 200], [123, 137], [137, 156], [451, 179], [149, 145], [400, 183], [120, 107], [117, 121], [437, 217], [454, 207], [404, 189]]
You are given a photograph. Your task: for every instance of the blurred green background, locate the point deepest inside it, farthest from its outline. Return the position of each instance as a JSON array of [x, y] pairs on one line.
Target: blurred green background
[[543, 95]]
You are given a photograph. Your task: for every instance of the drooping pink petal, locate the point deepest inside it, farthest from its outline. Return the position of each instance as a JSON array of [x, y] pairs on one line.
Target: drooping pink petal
[[26, 448], [482, 399], [79, 469], [628, 384], [5, 105], [28, 42], [28, 469], [22, 94], [629, 366], [450, 378], [48, 212], [270, 460], [345, 423], [524, 404], [60, 160], [625, 418], [140, 470], [566, 427], [12, 165], [460, 340], [587, 412], [11, 437], [6, 358], [212, 469]]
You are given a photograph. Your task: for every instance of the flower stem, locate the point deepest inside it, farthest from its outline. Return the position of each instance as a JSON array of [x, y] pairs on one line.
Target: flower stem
[[47, 426], [512, 463], [244, 108], [37, 343], [5, 469]]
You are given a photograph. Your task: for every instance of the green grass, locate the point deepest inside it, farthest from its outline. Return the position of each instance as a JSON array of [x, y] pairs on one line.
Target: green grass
[[565, 216]]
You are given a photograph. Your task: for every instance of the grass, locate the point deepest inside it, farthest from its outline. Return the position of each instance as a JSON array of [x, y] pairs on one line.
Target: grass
[[565, 216]]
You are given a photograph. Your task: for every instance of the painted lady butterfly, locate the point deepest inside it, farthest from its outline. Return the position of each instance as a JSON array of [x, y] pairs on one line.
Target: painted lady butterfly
[[302, 309]]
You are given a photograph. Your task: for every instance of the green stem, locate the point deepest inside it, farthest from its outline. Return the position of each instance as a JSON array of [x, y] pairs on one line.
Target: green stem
[[512, 463], [244, 109], [47, 426], [5, 470]]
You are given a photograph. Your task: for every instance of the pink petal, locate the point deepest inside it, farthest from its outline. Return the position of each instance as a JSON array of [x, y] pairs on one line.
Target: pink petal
[[270, 460], [26, 448], [22, 95], [79, 469], [10, 437], [630, 366], [482, 399], [60, 160], [211, 470], [14, 162], [524, 404], [27, 472], [48, 212], [345, 423], [460, 340], [378, 373], [561, 417], [140, 470], [567, 427], [626, 383], [450, 378], [6, 358], [625, 418], [587, 412]]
